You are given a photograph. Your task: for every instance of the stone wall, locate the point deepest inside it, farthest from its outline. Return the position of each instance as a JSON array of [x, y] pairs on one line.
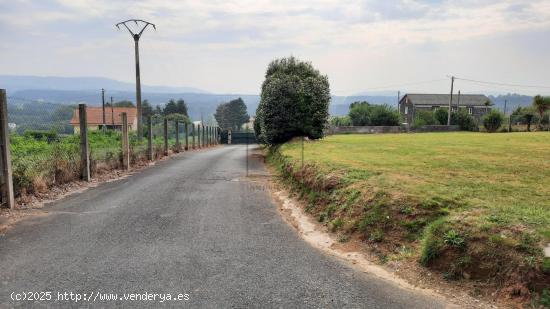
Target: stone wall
[[388, 129]]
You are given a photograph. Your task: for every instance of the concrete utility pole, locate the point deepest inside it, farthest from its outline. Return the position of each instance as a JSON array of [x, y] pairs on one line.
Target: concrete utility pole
[[103, 105], [112, 114], [458, 103], [144, 24], [398, 100], [450, 101]]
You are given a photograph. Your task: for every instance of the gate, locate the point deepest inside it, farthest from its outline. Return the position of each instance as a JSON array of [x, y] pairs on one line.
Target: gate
[[241, 137]]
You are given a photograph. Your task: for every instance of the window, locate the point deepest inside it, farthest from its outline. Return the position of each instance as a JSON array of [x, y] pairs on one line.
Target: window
[[435, 107], [453, 108], [406, 110], [470, 110]]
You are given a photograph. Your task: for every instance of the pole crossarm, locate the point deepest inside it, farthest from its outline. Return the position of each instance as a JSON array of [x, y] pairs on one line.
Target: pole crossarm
[[137, 22]]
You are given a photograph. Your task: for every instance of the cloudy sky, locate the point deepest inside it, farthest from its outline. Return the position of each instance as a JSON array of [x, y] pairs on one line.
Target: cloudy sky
[[224, 46]]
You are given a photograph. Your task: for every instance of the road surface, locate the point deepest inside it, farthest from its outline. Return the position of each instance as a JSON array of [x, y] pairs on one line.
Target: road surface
[[190, 225]]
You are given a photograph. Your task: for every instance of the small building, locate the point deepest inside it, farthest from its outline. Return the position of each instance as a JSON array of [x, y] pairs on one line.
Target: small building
[[477, 105], [113, 118]]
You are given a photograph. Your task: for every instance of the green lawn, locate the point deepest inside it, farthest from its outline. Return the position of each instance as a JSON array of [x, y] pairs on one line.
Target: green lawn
[[504, 175]]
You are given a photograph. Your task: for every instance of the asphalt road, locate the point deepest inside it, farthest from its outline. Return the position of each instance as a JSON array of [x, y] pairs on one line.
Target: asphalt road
[[191, 225]]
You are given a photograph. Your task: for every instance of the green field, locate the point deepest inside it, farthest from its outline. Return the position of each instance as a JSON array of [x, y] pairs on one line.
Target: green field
[[504, 174], [473, 205]]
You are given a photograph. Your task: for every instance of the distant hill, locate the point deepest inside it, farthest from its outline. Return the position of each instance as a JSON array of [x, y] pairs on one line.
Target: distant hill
[[15, 83]]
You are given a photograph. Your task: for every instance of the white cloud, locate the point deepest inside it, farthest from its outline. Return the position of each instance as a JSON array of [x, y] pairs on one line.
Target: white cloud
[[336, 34]]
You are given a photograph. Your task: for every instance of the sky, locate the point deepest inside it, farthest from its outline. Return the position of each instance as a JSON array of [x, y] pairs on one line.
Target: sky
[[363, 46]]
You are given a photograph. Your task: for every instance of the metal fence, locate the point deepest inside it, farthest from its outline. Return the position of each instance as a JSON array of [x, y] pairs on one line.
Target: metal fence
[[45, 146]]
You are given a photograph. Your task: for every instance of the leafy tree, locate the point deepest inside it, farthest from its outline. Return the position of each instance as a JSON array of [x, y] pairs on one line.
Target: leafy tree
[[294, 102], [364, 114], [124, 103], [359, 113], [158, 110], [384, 115], [492, 121], [146, 109], [181, 107], [231, 114], [441, 115], [423, 117], [340, 121], [170, 108], [541, 104]]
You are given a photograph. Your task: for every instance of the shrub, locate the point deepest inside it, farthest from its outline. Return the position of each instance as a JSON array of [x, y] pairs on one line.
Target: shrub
[[294, 102], [384, 115], [359, 114], [492, 121], [423, 118], [340, 121], [365, 114], [465, 121], [441, 115]]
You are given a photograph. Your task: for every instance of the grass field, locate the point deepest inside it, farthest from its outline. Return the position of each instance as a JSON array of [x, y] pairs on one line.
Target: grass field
[[469, 204], [505, 174]]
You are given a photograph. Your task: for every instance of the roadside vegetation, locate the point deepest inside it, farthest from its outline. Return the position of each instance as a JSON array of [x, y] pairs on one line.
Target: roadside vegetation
[[42, 159], [468, 205]]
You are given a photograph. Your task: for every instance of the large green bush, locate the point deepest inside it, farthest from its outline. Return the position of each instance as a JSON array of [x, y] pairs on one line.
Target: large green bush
[[294, 102], [441, 116], [464, 120], [492, 121], [423, 118], [365, 114]]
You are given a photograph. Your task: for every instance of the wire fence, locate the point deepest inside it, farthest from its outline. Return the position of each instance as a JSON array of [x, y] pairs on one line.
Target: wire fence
[[46, 145]]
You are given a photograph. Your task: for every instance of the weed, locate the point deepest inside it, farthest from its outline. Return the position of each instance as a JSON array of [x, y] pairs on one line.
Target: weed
[[336, 224], [343, 238], [454, 239], [545, 298], [432, 243], [545, 267], [376, 236]]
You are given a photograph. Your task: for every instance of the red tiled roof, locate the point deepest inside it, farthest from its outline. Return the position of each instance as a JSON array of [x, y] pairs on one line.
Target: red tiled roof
[[95, 115]]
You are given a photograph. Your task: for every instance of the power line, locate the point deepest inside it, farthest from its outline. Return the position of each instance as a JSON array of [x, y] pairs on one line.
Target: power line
[[502, 84], [408, 84]]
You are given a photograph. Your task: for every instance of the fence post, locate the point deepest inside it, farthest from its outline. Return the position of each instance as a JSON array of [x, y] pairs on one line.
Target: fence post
[[229, 136], [186, 136], [84, 145], [198, 136], [165, 136], [125, 143], [177, 136], [150, 139], [194, 133], [203, 136], [207, 136], [7, 177]]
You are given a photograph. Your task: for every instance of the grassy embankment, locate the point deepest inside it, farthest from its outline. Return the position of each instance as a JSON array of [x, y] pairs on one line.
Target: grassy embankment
[[470, 205]]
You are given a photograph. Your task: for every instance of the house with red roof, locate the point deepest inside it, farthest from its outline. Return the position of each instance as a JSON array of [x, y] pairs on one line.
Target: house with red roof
[[112, 119]]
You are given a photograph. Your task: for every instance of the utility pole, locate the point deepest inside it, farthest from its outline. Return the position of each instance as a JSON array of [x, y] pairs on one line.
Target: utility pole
[[103, 105], [450, 101], [505, 102], [458, 103], [136, 37], [112, 113], [398, 100]]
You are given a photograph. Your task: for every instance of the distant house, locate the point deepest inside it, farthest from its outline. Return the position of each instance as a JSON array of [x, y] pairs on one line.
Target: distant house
[[249, 124], [113, 118], [475, 104]]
